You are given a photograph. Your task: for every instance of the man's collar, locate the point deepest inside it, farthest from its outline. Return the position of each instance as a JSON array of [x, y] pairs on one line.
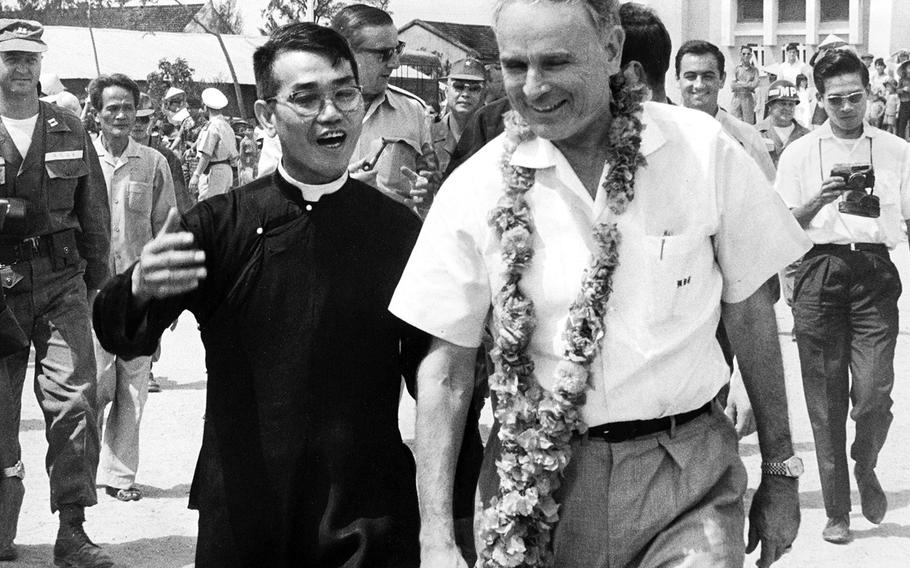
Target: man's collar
[[131, 150], [312, 192], [825, 130], [539, 153]]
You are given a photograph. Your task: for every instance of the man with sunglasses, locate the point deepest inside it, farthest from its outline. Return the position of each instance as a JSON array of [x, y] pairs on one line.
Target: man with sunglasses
[[846, 289], [302, 462], [465, 89]]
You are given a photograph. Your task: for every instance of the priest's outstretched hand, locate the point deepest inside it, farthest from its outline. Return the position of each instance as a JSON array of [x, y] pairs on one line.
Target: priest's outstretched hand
[[169, 265]]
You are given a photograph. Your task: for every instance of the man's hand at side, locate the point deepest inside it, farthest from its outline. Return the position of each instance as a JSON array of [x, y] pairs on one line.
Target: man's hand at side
[[773, 518], [169, 265], [752, 328]]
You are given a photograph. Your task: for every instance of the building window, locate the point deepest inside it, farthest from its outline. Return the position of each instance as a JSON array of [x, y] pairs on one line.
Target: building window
[[791, 11], [834, 10], [749, 11]]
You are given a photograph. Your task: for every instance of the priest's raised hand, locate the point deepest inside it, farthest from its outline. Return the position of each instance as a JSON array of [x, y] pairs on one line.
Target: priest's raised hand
[[170, 264]]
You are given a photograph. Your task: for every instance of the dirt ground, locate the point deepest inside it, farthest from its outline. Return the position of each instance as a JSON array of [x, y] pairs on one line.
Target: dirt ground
[[159, 531]]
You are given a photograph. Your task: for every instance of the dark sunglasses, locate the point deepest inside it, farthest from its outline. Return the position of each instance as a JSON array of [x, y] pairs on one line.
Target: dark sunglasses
[[385, 53]]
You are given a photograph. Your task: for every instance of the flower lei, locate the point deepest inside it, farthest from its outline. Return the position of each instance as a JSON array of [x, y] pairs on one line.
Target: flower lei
[[537, 424]]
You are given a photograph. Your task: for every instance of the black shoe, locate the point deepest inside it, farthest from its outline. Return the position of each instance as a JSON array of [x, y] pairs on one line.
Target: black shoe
[[74, 549], [8, 553], [871, 495], [838, 530]]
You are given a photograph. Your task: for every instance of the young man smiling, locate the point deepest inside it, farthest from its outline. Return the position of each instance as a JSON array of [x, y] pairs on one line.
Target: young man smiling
[[302, 462]]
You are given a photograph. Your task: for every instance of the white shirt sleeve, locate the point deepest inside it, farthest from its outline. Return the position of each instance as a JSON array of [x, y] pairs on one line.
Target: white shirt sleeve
[[757, 236], [445, 288]]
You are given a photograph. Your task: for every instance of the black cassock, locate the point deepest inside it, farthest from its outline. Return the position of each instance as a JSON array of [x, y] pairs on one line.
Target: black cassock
[[302, 462]]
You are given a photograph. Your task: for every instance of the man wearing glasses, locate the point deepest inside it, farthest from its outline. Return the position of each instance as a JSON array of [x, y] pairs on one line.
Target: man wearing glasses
[[302, 462], [395, 143], [464, 95], [848, 185]]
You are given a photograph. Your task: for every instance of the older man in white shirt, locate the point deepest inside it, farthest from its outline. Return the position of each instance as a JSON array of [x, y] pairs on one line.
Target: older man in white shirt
[[657, 479], [141, 192]]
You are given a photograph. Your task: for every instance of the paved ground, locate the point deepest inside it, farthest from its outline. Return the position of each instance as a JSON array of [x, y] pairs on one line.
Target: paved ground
[[159, 532]]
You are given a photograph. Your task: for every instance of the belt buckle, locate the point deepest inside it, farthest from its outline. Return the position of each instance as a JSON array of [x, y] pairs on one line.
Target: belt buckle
[[853, 247], [33, 241]]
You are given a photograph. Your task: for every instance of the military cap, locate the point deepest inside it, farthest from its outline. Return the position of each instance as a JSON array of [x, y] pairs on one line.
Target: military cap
[[214, 99], [468, 69], [21, 35]]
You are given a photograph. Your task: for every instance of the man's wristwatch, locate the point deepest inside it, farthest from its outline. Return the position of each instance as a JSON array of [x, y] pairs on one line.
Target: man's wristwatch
[[791, 467]]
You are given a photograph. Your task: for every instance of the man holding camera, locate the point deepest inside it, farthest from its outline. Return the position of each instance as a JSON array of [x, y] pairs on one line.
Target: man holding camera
[[848, 185]]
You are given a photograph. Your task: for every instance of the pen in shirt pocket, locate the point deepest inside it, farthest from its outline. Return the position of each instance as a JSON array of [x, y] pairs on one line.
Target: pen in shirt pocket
[[663, 240]]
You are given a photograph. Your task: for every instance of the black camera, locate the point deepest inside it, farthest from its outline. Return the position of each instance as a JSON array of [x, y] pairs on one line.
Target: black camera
[[12, 337], [857, 201]]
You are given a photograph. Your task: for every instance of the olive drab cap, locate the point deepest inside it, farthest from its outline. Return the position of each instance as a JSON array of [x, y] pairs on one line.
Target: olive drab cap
[[468, 69], [21, 35]]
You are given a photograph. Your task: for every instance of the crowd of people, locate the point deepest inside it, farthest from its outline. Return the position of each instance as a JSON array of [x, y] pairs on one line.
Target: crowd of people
[[597, 262]]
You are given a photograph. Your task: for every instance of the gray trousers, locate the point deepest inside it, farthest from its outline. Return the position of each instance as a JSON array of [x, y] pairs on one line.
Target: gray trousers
[[658, 501]]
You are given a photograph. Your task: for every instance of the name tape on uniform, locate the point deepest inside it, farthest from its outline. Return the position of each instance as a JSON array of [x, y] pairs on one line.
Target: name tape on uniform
[[64, 155]]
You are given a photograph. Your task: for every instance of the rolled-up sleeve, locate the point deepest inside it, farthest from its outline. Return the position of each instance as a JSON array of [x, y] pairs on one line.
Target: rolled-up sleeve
[[445, 288], [757, 236]]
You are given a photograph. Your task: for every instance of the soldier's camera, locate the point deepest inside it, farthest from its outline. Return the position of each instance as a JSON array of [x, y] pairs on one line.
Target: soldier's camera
[[860, 185]]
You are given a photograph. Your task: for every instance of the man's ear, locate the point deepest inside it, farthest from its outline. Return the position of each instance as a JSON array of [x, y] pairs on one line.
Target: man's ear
[[265, 115], [636, 80], [613, 48], [723, 79]]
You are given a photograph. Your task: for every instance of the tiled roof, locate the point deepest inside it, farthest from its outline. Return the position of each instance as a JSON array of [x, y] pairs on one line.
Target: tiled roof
[[478, 38], [150, 18]]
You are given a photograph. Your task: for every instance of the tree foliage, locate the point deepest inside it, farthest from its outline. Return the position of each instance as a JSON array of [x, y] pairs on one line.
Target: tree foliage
[[279, 12], [176, 73]]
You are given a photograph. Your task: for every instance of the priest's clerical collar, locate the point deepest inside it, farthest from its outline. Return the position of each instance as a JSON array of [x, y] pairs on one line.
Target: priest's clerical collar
[[312, 192]]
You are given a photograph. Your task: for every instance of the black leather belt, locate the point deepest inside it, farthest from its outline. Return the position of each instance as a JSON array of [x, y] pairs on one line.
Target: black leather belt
[[24, 250], [616, 432], [867, 247]]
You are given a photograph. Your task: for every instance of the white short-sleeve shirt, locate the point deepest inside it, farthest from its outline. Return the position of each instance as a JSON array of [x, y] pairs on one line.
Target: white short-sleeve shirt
[[808, 161], [704, 226]]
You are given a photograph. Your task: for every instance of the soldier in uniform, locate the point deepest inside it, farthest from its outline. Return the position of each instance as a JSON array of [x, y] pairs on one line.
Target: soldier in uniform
[[217, 149], [53, 261], [464, 95]]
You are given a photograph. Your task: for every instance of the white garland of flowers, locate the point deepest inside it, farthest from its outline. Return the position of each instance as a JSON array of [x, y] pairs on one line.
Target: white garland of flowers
[[536, 424]]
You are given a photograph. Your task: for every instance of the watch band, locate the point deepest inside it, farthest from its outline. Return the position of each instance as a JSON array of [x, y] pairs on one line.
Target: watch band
[[17, 470], [790, 467], [775, 468]]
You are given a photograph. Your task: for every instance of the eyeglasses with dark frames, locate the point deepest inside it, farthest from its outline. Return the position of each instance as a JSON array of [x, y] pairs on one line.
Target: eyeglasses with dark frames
[[310, 103], [386, 53]]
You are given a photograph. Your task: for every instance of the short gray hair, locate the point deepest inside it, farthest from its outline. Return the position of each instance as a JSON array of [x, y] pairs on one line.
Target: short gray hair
[[604, 13]]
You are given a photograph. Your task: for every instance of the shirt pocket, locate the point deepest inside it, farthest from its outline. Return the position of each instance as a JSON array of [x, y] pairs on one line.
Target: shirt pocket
[[139, 198], [673, 278], [63, 176]]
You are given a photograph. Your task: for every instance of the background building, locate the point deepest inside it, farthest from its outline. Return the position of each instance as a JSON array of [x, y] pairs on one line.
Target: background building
[[880, 27]]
